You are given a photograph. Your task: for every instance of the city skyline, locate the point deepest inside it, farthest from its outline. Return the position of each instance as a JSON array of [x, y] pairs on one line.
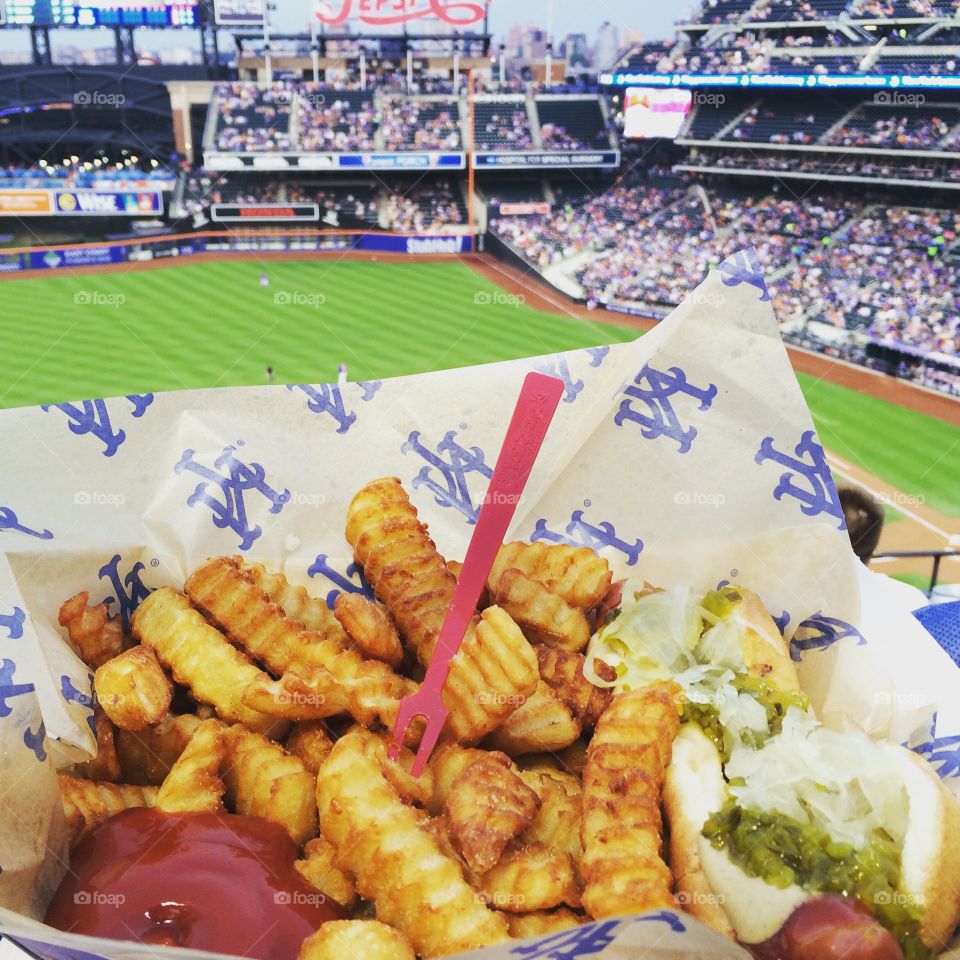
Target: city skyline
[[630, 19]]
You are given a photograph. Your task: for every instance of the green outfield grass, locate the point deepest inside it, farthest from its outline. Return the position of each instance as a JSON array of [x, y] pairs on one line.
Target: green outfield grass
[[202, 325]]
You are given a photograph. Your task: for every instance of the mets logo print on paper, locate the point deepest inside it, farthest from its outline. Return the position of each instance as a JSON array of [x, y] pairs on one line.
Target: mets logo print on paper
[[327, 399], [447, 470], [351, 581], [819, 632], [92, 417], [558, 367], [817, 493], [9, 688], [10, 521], [579, 533], [128, 591], [72, 695], [744, 267], [943, 753], [13, 623], [658, 392], [233, 480]]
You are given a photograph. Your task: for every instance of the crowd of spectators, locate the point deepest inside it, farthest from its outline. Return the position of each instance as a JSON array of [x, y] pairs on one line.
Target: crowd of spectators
[[416, 124], [555, 137], [424, 207], [254, 118], [920, 131], [893, 274], [338, 206], [884, 168], [334, 120], [85, 176], [503, 127]]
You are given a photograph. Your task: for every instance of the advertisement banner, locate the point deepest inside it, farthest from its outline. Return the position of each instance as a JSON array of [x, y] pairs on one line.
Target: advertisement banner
[[551, 158], [828, 81], [107, 203], [336, 161], [239, 212], [239, 13], [524, 209], [25, 203], [390, 13], [430, 245], [75, 257], [651, 112]]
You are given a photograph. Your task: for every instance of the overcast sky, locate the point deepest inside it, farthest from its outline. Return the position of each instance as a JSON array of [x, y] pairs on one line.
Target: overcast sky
[[654, 17]]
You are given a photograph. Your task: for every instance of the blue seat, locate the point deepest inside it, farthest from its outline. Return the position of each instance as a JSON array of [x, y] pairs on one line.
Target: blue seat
[[942, 621]]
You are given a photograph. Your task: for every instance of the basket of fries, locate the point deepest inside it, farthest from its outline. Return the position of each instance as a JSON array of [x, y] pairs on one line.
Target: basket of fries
[[681, 722]]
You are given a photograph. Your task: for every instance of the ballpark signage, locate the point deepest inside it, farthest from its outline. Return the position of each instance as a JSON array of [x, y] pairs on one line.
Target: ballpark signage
[[390, 13], [229, 212], [336, 161], [843, 81], [80, 203], [548, 158], [239, 13]]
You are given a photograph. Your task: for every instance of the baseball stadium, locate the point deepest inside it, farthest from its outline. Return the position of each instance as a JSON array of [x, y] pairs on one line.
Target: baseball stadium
[[231, 193]]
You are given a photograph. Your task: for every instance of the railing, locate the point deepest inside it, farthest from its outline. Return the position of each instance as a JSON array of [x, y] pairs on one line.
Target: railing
[[936, 555]]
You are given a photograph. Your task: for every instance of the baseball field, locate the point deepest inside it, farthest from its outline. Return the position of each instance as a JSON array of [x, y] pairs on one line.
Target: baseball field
[[214, 324]]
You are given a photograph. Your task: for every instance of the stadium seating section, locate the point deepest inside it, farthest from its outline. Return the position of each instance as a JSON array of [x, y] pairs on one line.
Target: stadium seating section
[[572, 124], [892, 273], [501, 123]]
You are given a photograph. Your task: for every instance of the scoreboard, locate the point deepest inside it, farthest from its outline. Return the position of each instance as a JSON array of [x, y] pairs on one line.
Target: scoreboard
[[99, 13]]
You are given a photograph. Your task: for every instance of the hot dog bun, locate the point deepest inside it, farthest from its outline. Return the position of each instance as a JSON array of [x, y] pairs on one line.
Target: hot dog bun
[[719, 893], [765, 652]]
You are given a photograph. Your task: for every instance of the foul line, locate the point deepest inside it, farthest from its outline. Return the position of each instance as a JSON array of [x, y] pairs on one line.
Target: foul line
[[948, 538]]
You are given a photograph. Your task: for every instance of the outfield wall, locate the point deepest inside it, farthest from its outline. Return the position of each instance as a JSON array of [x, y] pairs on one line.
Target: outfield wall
[[149, 249]]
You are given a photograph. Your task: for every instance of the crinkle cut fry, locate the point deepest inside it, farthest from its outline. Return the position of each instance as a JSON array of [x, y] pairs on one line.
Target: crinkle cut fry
[[193, 784], [495, 668], [369, 690], [263, 780], [295, 602], [397, 862], [89, 802], [487, 806], [621, 827], [319, 868], [94, 635], [356, 940], [562, 671], [577, 574], [199, 656]]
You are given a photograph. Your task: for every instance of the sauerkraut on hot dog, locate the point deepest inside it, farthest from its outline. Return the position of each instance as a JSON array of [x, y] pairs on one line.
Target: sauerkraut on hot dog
[[798, 841]]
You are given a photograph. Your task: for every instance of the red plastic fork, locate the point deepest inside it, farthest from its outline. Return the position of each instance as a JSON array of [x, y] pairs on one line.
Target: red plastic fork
[[528, 427]]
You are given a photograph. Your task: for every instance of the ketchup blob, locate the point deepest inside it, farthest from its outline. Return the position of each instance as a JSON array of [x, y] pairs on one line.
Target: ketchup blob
[[830, 928], [210, 881]]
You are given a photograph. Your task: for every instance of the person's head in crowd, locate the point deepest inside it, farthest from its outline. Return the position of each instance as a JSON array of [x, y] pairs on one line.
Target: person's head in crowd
[[864, 516]]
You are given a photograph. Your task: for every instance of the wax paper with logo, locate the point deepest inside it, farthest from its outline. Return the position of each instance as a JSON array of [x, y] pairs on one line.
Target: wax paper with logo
[[686, 457]]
